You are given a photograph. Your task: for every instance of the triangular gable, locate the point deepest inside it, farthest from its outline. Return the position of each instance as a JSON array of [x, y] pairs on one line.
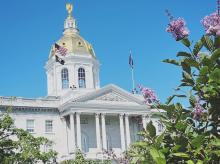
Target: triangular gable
[[110, 93]]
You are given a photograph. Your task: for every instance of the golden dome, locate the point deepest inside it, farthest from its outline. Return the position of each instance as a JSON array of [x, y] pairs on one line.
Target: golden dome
[[76, 45]]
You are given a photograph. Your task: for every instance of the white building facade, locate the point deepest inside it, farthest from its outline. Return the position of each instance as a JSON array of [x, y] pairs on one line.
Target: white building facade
[[77, 113]]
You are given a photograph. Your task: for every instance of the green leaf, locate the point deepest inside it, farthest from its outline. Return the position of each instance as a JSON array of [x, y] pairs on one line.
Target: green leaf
[[215, 55], [185, 54], [157, 156], [203, 78], [185, 84], [208, 43], [187, 76], [204, 71], [160, 160], [181, 126], [198, 46], [217, 42], [215, 76], [199, 162], [186, 42], [183, 155], [206, 61], [216, 142], [189, 162], [186, 67], [170, 98], [198, 141], [151, 129], [171, 61], [191, 62], [192, 100]]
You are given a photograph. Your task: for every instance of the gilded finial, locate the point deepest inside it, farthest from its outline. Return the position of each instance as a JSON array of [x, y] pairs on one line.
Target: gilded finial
[[69, 8]]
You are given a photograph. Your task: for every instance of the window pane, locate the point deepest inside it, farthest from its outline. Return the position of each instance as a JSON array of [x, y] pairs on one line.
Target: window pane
[[30, 126], [65, 78], [81, 78], [48, 126]]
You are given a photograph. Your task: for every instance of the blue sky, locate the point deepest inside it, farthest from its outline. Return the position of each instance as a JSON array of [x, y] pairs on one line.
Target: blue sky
[[29, 28]]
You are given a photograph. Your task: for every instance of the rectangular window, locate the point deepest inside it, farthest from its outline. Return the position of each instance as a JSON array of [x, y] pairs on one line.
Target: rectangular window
[[30, 126], [48, 126]]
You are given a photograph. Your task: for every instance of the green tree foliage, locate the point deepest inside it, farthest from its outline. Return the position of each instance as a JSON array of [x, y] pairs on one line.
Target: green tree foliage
[[19, 146], [192, 134]]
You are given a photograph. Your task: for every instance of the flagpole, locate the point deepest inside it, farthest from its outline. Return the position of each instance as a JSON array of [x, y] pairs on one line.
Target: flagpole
[[55, 77], [132, 78]]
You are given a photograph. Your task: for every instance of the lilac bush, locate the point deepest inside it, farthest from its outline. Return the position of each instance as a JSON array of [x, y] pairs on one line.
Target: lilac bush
[[149, 95], [192, 133], [198, 111], [177, 27], [211, 24]]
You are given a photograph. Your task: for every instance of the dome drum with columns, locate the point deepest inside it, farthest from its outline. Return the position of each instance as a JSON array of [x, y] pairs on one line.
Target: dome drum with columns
[[77, 113]]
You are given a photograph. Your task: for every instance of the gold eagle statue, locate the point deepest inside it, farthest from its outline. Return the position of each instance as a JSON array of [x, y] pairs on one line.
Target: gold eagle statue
[[69, 8]]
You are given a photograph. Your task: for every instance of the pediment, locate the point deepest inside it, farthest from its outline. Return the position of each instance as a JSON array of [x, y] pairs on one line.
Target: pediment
[[110, 93], [111, 96]]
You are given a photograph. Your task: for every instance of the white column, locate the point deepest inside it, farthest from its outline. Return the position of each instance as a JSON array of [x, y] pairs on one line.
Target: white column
[[98, 137], [65, 135], [104, 141], [78, 129], [122, 132], [127, 129], [72, 134], [144, 121]]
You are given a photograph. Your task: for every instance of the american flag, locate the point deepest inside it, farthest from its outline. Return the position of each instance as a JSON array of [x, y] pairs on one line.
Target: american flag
[[60, 50]]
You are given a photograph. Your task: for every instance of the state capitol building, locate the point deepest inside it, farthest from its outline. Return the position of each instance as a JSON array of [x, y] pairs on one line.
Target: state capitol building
[[77, 113]]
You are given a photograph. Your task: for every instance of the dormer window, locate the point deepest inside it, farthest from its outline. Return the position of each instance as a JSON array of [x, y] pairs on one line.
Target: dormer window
[[81, 78], [65, 78]]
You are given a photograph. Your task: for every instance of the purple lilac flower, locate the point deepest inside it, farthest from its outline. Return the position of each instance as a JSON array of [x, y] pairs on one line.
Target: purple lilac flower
[[177, 27], [211, 24], [149, 95], [198, 111]]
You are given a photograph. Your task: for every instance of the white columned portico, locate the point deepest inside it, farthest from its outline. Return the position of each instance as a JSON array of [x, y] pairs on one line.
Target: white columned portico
[[66, 149], [104, 140], [127, 129], [98, 137], [122, 132], [78, 129], [72, 134], [144, 121]]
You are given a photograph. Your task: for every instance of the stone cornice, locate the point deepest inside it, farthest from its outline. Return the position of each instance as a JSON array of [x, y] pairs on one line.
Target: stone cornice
[[29, 102], [104, 108], [70, 59], [25, 109]]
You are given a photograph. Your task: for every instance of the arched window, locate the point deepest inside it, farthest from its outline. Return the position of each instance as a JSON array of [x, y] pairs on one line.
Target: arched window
[[65, 78], [81, 78]]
